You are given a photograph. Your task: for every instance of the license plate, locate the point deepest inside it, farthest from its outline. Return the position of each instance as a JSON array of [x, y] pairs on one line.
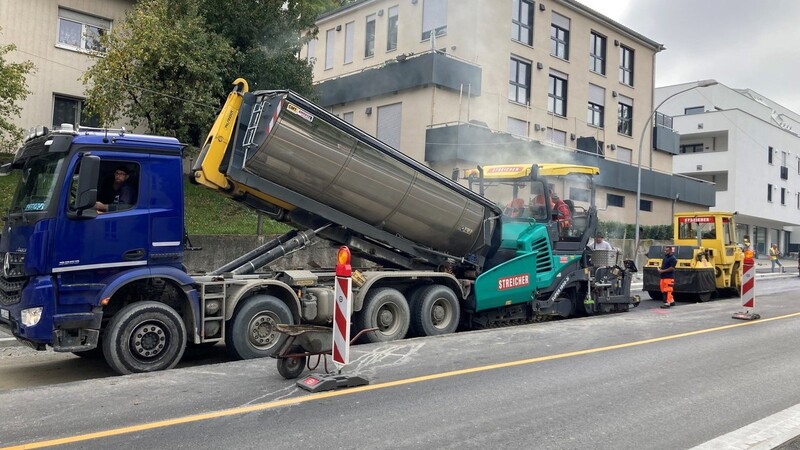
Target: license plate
[[4, 313]]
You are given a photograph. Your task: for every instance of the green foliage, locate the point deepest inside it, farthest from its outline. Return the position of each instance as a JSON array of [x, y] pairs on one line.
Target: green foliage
[[266, 36], [162, 70], [12, 91], [207, 212], [619, 230]]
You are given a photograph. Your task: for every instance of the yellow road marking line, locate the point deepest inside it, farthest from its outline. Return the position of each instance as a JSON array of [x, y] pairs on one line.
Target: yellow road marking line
[[372, 387]]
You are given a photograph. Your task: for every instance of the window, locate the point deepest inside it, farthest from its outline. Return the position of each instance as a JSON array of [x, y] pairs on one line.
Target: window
[[578, 194], [522, 21], [329, 40], [118, 185], [694, 110], [519, 81], [517, 127], [78, 31], [769, 192], [625, 65], [434, 18], [349, 39], [557, 95], [595, 115], [348, 117], [798, 199], [369, 43], [597, 53], [645, 205], [391, 30], [559, 36], [615, 200], [596, 108], [625, 116], [624, 154], [389, 124], [312, 49], [769, 154], [691, 148], [783, 196], [72, 110], [557, 137]]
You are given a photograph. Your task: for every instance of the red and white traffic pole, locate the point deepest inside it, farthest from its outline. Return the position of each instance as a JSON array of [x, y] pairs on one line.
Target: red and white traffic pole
[[343, 308], [748, 293], [340, 350]]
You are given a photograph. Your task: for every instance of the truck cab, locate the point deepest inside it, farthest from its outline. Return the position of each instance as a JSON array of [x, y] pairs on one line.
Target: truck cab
[[64, 259]]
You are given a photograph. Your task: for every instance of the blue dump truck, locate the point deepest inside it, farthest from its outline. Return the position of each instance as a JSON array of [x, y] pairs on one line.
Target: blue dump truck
[[95, 269]]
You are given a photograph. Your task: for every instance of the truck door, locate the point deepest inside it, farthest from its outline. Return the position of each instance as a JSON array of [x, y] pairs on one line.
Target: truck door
[[118, 236]]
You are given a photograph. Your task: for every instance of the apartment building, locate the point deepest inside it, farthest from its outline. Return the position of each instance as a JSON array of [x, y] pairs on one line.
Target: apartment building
[[457, 84], [749, 147], [60, 38]]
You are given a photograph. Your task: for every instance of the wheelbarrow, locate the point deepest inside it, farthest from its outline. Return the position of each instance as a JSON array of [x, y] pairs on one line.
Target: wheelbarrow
[[304, 342]]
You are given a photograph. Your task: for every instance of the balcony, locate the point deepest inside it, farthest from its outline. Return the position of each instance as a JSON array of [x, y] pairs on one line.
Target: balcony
[[401, 73]]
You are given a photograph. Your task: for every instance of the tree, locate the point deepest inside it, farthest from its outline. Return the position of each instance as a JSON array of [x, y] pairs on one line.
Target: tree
[[12, 90], [162, 69], [266, 36]]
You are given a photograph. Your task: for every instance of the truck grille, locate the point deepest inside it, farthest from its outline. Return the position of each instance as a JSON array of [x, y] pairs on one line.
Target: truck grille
[[12, 277]]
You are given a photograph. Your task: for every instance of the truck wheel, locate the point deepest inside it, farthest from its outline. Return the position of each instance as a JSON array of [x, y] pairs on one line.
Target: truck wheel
[[387, 310], [434, 311], [291, 368], [251, 332], [656, 295], [144, 337]]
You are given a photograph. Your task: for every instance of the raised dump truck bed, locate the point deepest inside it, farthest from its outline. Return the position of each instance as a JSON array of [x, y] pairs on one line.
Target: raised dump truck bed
[[298, 162]]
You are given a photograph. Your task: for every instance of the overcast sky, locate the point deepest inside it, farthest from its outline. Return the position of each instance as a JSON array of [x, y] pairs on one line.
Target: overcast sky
[[742, 44]]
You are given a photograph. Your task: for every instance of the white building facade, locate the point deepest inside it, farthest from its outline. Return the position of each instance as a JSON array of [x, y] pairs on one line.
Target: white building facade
[[749, 146]]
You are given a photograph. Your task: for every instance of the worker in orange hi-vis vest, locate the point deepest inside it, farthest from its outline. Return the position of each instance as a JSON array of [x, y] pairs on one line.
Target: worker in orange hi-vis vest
[[667, 272]]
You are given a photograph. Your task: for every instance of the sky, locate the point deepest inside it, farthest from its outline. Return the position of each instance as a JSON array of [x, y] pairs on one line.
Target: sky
[[741, 44]]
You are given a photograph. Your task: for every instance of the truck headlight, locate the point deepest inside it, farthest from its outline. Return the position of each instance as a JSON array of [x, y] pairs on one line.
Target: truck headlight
[[31, 316]]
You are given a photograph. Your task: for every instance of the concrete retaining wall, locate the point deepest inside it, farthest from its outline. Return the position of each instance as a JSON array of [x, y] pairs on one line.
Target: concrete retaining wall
[[221, 249]]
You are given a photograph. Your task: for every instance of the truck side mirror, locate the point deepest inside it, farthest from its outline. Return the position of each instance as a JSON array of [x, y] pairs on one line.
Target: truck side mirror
[[86, 193]]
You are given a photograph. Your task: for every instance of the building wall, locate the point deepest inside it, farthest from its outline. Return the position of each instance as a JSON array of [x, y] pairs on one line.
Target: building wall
[[32, 25], [479, 33], [736, 130]]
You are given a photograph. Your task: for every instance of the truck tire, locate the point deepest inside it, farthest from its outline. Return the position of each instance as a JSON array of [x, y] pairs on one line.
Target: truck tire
[[656, 295], [434, 311], [144, 337], [251, 331], [387, 310]]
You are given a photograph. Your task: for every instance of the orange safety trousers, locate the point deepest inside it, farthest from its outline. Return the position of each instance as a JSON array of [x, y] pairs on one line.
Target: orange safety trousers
[[666, 288]]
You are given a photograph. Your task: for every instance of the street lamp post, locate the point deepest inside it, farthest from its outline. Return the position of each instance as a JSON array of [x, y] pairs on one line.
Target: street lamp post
[[699, 84]]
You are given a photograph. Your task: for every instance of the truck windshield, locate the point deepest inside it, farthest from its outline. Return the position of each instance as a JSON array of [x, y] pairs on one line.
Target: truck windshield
[[691, 227], [37, 184]]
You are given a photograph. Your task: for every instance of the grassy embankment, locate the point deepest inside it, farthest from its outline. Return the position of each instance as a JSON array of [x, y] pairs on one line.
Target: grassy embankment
[[207, 212]]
